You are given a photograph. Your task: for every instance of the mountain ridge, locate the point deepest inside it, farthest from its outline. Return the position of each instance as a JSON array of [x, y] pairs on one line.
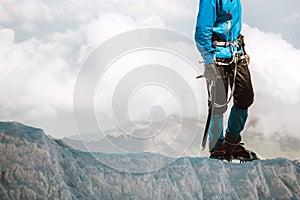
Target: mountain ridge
[[34, 166]]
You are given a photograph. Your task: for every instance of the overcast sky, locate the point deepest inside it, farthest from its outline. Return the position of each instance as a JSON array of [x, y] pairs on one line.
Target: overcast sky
[[44, 43]]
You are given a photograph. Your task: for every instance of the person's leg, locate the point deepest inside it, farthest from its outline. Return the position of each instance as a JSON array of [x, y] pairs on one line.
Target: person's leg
[[243, 98], [215, 131], [236, 122]]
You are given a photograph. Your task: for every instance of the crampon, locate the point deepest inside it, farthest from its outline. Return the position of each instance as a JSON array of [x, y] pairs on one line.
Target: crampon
[[243, 156]]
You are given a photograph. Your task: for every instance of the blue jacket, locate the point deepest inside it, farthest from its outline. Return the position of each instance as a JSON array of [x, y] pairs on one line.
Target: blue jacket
[[223, 18]]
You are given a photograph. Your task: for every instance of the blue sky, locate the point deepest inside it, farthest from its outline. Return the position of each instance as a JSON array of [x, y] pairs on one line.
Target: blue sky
[[275, 16], [45, 42]]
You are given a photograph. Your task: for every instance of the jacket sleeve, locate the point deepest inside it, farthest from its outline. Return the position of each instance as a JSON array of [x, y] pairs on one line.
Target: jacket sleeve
[[204, 29]]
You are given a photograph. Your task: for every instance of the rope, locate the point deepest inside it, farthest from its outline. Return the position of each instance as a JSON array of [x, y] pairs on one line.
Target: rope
[[235, 60]]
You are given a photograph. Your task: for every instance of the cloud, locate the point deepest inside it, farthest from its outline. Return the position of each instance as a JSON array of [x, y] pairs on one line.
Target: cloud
[[275, 74], [35, 79], [292, 18], [30, 10], [5, 16], [29, 26], [44, 47], [275, 62], [106, 26]]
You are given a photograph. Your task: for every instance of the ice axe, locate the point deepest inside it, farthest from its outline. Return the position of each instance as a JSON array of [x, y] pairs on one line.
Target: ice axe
[[211, 89]]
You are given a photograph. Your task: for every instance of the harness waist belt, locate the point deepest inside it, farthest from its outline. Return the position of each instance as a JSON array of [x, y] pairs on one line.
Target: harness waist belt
[[228, 43], [222, 44]]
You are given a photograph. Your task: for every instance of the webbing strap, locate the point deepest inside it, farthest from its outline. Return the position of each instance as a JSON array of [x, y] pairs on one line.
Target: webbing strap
[[241, 57], [228, 43], [235, 60], [222, 44]]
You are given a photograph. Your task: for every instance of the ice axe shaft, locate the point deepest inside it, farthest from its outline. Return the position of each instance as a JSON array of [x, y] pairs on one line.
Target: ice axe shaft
[[201, 76], [211, 88]]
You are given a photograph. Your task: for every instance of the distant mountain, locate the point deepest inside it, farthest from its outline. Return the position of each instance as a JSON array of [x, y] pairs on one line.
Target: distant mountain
[[96, 136], [173, 137], [130, 139], [34, 166]]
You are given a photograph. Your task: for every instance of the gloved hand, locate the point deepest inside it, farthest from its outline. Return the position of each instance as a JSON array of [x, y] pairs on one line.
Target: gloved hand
[[210, 72]]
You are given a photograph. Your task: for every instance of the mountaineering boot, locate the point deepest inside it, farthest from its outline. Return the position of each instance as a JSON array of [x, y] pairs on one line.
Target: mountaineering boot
[[235, 150], [218, 151]]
